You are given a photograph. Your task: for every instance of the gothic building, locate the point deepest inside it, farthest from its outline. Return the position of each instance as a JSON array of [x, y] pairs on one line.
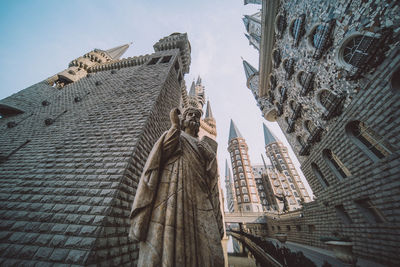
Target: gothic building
[[329, 76], [72, 149], [246, 193]]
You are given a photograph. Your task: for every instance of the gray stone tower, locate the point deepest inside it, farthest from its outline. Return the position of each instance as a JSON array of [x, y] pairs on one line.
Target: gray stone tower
[[71, 157]]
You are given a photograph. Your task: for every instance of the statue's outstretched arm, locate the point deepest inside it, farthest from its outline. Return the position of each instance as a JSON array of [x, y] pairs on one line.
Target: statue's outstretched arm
[[171, 141]]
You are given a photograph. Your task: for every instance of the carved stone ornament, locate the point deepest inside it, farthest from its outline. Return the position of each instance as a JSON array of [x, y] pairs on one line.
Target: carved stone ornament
[[176, 215]]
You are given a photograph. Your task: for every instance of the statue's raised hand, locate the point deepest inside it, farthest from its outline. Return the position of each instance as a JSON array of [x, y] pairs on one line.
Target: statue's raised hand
[[174, 116]]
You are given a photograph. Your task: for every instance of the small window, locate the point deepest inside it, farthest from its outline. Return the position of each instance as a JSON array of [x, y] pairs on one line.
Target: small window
[[320, 177], [154, 60], [166, 59], [298, 228], [288, 228], [279, 228], [373, 145], [369, 211], [342, 214], [273, 228], [311, 228], [244, 190], [334, 163]]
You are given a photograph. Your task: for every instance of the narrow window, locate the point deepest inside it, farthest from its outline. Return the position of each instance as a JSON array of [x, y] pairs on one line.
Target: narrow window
[[166, 59], [298, 228], [320, 177], [311, 228], [373, 145], [343, 215], [369, 211], [334, 163], [153, 61]]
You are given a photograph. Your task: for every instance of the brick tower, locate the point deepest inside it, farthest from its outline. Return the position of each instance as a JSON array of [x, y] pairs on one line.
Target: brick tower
[[71, 157], [289, 184], [246, 192]]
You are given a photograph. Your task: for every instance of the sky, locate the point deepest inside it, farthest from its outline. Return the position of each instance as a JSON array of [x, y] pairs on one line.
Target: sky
[[39, 38]]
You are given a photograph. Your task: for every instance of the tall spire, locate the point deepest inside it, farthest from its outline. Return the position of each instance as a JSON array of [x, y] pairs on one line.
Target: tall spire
[[208, 110], [192, 91], [269, 137], [249, 69], [198, 82], [117, 52], [234, 131]]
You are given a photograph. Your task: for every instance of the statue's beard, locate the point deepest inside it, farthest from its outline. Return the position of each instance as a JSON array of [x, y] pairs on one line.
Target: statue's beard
[[193, 125]]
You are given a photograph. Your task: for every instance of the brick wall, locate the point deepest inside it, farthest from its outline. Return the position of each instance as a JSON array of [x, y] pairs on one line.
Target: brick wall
[[65, 196]]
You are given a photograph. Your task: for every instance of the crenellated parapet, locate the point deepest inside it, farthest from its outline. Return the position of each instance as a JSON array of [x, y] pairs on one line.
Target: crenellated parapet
[[174, 41]]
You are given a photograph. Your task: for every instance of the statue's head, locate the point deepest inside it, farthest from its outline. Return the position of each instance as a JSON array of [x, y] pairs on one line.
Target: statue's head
[[191, 120]]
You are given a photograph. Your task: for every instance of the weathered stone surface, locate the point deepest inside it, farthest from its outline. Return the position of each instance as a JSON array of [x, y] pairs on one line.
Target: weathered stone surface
[[180, 200]]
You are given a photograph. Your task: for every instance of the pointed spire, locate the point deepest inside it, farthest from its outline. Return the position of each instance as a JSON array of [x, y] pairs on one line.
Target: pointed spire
[[198, 80], [192, 91], [208, 110], [269, 137], [227, 171], [117, 52], [234, 131], [249, 69]]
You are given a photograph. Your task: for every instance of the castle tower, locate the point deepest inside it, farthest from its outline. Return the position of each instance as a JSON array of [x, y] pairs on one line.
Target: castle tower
[[253, 27], [246, 193], [252, 82], [230, 191], [71, 158], [78, 68], [289, 183]]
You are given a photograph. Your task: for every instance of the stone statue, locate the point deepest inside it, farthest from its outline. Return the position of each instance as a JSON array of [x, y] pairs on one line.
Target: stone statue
[[176, 214]]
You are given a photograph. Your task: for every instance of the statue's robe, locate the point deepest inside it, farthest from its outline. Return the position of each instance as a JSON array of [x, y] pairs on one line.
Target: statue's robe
[[176, 214]]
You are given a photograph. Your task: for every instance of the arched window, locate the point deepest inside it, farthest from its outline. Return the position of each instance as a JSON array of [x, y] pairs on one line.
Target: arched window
[[330, 102], [243, 183], [356, 49], [305, 147], [334, 163], [244, 190], [373, 145], [321, 38], [272, 82], [320, 177], [297, 29], [306, 81], [280, 25], [276, 58], [309, 126], [288, 66], [283, 93]]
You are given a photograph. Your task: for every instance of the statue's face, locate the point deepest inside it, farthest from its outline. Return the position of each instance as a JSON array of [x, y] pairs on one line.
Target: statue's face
[[192, 121]]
